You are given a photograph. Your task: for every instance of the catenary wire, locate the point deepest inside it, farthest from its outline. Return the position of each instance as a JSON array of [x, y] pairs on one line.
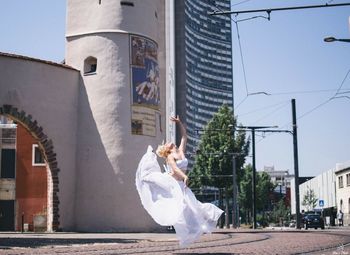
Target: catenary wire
[[319, 105], [271, 113], [263, 108], [242, 2]]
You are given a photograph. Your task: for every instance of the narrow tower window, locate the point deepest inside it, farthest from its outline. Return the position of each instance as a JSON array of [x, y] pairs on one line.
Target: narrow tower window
[[127, 3], [90, 65]]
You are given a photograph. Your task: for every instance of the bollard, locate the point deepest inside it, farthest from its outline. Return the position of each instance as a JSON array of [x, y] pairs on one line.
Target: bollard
[[22, 222]]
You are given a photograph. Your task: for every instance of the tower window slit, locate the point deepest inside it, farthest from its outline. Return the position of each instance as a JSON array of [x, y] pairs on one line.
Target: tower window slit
[[127, 3], [90, 65]]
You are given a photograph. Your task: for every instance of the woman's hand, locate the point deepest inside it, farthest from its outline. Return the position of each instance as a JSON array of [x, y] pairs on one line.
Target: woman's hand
[[186, 180], [175, 119]]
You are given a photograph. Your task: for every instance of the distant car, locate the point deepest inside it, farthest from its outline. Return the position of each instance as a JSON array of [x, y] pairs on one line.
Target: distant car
[[313, 221], [292, 223]]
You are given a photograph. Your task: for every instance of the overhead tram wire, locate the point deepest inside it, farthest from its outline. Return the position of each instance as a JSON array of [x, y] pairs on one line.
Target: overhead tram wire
[[242, 2], [241, 55], [343, 91], [346, 91], [271, 113], [328, 100], [268, 11], [299, 92], [266, 107], [242, 59], [341, 85], [319, 105], [307, 92]]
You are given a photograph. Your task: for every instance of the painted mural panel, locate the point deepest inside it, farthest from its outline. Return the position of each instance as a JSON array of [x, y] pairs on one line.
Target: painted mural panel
[[144, 85]]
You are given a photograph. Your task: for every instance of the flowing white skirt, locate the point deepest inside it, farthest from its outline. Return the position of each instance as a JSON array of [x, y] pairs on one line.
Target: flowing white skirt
[[170, 203]]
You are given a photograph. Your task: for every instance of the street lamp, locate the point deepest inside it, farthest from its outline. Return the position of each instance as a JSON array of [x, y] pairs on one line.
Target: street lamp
[[333, 39]]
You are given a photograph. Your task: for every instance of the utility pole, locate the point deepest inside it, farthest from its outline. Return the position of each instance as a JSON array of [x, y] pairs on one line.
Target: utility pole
[[253, 128], [234, 194], [296, 166], [254, 180]]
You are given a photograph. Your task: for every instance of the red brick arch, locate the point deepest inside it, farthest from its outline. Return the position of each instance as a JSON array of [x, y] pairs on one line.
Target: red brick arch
[[46, 146]]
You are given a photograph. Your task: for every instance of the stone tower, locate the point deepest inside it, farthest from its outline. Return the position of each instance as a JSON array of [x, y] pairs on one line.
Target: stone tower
[[119, 48]]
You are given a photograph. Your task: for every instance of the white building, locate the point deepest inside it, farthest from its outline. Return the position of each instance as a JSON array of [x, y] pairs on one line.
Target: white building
[[342, 175], [281, 178], [94, 116], [324, 188]]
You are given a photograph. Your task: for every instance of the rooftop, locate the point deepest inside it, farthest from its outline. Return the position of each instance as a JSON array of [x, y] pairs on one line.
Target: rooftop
[[10, 55]]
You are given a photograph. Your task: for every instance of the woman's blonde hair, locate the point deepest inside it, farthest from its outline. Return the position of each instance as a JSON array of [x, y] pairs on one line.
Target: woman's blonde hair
[[162, 151]]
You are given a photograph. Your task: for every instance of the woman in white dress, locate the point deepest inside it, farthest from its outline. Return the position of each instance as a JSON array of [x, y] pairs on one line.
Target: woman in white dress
[[166, 196]]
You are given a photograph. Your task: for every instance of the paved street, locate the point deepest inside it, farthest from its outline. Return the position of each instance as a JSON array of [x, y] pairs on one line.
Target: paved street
[[274, 241]]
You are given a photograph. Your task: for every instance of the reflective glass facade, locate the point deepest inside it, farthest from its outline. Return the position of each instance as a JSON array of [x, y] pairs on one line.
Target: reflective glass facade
[[203, 63]]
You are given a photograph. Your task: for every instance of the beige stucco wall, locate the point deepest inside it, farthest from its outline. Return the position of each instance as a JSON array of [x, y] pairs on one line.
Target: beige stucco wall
[[48, 92], [108, 154], [343, 193]]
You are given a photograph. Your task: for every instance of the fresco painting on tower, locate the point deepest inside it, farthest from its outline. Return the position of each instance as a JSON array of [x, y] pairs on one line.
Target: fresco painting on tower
[[144, 85]]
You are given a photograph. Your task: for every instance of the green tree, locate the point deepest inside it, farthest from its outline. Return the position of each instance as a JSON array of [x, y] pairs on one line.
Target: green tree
[[280, 212], [264, 187], [245, 194], [214, 158], [213, 161], [310, 200]]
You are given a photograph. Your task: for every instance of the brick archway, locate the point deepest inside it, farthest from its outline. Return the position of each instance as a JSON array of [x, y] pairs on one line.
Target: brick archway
[[46, 147]]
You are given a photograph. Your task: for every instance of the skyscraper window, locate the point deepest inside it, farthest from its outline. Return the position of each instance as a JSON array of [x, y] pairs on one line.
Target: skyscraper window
[[203, 64]]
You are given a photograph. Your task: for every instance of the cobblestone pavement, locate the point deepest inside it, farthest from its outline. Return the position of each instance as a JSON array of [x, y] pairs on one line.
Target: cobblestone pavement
[[221, 242]]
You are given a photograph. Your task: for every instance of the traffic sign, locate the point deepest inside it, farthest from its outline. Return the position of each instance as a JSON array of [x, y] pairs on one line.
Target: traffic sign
[[321, 203]]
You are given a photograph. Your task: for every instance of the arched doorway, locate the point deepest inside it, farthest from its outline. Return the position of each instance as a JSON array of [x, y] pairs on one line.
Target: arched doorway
[[42, 146]]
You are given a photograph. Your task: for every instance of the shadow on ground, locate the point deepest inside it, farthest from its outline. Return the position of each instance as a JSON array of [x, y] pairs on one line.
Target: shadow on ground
[[39, 242]]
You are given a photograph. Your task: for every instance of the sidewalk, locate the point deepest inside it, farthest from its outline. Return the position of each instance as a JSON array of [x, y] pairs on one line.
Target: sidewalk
[[30, 239], [222, 241]]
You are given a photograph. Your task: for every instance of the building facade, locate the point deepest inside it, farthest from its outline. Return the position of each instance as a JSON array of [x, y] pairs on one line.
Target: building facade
[[324, 190], [203, 63], [342, 176], [7, 176], [119, 46], [23, 181], [281, 178], [94, 115]]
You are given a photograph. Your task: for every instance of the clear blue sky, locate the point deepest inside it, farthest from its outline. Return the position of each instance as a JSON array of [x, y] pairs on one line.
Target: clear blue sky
[[282, 56]]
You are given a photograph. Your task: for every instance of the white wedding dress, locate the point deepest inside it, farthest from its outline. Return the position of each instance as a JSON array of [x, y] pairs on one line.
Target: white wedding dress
[[170, 203]]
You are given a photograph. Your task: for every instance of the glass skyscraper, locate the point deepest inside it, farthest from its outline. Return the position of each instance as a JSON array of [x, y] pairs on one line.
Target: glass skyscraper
[[203, 63]]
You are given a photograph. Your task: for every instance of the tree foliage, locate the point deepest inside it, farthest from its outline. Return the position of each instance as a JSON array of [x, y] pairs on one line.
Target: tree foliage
[[218, 144], [310, 200], [280, 212], [264, 187], [245, 197]]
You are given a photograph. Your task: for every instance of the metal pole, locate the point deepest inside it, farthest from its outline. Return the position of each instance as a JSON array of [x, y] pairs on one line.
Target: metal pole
[[254, 179], [227, 212], [221, 207], [279, 9], [22, 225], [296, 166], [234, 193]]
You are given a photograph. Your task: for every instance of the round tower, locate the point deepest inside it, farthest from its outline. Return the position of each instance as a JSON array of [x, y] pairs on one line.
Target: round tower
[[119, 48]]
